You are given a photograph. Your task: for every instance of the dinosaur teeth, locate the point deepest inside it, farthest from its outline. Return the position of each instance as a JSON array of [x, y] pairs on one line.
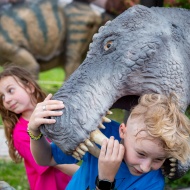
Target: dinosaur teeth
[[83, 147], [95, 151], [101, 126], [171, 174], [76, 154], [172, 169], [105, 119], [173, 164], [88, 143], [77, 158], [173, 160], [97, 136], [109, 112], [81, 152]]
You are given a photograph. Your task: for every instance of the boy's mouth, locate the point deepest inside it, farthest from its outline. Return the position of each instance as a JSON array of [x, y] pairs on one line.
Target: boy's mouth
[[137, 172]]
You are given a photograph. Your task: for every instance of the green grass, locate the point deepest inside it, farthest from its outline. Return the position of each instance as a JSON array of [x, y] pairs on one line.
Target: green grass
[[13, 174]]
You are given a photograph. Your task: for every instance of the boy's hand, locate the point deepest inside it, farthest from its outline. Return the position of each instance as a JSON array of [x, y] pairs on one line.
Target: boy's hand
[[41, 113], [111, 156]]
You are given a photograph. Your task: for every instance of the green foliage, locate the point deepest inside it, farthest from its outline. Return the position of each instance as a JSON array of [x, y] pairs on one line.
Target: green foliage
[[179, 183], [177, 3], [13, 174], [51, 80], [118, 115]]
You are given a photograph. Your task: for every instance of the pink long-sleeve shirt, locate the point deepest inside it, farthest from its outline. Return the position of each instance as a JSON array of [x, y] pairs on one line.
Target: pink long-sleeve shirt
[[39, 177]]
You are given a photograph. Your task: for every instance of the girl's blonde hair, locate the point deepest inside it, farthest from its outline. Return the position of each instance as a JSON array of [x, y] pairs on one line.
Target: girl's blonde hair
[[164, 120], [10, 118]]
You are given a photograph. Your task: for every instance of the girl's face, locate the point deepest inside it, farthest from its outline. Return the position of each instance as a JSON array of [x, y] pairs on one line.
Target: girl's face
[[141, 153], [15, 96]]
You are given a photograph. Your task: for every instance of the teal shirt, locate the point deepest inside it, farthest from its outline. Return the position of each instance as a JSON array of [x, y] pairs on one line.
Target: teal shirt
[[86, 174]]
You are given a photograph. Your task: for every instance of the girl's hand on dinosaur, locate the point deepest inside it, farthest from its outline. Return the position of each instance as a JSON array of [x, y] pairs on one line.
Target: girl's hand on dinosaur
[[43, 111]]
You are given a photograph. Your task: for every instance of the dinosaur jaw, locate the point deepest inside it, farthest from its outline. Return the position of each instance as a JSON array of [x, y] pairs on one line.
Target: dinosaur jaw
[[97, 136]]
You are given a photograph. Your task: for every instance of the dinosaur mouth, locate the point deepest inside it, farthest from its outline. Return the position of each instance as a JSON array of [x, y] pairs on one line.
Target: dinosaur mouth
[[126, 103]]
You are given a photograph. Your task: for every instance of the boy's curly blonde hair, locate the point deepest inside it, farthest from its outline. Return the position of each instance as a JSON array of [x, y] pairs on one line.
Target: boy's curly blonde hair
[[164, 120]]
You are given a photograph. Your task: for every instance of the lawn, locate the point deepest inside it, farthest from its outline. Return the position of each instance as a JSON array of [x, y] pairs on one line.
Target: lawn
[[14, 174]]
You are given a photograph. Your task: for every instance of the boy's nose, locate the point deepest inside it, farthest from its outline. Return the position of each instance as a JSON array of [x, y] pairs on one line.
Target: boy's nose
[[146, 166]]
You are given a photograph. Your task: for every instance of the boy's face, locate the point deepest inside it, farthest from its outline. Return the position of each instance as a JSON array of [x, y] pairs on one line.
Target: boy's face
[[142, 154]]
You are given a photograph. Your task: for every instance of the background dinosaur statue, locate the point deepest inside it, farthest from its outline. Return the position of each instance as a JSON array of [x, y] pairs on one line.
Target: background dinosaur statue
[[43, 34], [143, 50]]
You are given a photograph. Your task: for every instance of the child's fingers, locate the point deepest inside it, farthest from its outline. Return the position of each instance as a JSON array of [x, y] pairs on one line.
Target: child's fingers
[[49, 96], [49, 113], [121, 152], [103, 149], [45, 121], [116, 147], [54, 106], [110, 146], [50, 105]]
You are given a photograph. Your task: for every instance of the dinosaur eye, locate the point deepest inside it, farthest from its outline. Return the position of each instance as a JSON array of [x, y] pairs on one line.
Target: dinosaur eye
[[108, 45]]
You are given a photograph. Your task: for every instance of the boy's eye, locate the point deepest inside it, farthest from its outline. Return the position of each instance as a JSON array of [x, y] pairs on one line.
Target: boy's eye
[[140, 154], [159, 160]]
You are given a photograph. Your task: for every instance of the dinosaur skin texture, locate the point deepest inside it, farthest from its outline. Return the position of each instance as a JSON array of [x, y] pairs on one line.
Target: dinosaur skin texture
[[42, 34], [143, 50]]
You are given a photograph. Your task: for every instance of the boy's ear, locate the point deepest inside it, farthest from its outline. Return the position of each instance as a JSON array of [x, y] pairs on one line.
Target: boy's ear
[[122, 130]]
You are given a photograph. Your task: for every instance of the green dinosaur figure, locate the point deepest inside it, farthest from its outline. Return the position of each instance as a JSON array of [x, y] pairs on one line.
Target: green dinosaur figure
[[43, 34]]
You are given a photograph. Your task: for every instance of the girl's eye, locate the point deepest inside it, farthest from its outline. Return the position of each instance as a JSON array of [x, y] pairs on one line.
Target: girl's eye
[[108, 45], [11, 90]]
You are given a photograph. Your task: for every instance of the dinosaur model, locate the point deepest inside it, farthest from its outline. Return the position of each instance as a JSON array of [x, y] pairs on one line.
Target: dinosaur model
[[5, 186], [143, 50], [43, 34]]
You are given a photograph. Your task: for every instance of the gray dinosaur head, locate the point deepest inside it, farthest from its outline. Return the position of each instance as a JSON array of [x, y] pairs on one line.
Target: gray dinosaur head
[[143, 50]]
